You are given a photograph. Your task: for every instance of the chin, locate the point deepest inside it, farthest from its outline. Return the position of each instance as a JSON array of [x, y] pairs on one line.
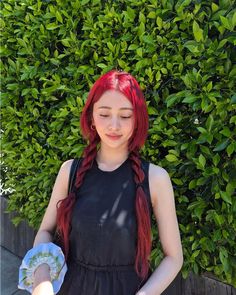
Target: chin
[[116, 145]]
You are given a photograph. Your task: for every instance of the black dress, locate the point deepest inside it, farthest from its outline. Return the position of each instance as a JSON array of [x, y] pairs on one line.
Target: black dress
[[103, 235]]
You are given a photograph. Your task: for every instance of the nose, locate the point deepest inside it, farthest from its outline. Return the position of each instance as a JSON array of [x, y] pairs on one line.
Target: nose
[[114, 123]]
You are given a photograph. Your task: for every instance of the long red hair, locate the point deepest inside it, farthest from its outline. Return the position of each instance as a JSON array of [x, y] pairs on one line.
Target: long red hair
[[127, 85]]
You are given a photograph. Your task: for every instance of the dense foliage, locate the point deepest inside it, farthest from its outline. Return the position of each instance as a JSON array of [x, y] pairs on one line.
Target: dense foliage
[[181, 52]]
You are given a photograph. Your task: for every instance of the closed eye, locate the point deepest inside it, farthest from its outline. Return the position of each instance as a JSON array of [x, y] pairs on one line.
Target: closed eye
[[122, 117]]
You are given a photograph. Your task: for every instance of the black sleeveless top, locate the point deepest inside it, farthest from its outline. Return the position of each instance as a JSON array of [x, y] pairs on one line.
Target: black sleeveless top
[[104, 234]]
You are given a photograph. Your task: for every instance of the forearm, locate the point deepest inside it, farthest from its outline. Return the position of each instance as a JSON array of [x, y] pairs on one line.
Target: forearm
[[42, 278], [43, 288], [162, 276], [43, 236]]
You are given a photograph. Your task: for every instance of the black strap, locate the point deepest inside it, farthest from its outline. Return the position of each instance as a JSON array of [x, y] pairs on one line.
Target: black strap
[[73, 169]]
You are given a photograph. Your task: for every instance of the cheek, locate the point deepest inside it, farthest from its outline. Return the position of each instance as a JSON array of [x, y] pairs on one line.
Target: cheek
[[130, 127], [101, 125], [98, 121]]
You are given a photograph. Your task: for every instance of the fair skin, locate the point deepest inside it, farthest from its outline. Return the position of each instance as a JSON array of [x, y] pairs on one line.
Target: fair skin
[[114, 122]]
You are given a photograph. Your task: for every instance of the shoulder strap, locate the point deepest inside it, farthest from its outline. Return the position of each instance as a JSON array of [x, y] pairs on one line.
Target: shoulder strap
[[73, 169], [145, 166]]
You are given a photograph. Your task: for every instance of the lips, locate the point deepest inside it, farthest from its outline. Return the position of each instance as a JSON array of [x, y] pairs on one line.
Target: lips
[[113, 136]]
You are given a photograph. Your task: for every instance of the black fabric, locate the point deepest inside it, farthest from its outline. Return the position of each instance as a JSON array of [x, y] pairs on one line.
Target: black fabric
[[74, 166], [103, 236]]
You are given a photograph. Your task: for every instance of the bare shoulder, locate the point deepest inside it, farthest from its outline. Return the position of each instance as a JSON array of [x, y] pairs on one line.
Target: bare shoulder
[[67, 165], [63, 176], [159, 182], [157, 173]]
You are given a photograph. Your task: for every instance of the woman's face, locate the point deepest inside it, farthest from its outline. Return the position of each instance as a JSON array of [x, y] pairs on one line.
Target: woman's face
[[113, 118]]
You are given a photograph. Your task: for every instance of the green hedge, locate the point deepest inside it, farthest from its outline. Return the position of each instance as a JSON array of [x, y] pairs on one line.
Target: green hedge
[[183, 55]]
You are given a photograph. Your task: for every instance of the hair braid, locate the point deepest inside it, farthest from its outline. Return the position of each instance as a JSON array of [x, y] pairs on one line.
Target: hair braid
[[143, 219], [89, 155], [65, 206]]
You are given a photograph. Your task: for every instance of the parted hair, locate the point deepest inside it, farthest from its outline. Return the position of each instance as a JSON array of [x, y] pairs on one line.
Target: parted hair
[[127, 85]]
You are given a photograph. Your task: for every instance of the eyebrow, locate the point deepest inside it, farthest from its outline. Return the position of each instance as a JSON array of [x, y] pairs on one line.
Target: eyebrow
[[109, 108]]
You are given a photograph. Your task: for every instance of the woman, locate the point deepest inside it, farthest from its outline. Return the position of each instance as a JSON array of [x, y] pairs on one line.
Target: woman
[[104, 222]]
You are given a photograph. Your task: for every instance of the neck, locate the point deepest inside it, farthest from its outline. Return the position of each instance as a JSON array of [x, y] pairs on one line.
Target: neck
[[111, 157]]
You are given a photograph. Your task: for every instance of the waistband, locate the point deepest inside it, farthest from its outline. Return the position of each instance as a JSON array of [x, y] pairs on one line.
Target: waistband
[[129, 267]]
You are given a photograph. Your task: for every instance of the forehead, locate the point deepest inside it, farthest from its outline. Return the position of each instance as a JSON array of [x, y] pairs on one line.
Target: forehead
[[113, 99]]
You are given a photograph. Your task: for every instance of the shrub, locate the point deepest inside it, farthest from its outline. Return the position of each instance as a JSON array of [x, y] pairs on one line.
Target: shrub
[[183, 55]]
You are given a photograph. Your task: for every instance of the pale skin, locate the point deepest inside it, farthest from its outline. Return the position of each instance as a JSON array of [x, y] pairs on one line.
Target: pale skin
[[115, 117]]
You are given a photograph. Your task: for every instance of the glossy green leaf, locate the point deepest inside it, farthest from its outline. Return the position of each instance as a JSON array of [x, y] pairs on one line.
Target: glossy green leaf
[[202, 160], [171, 158], [221, 146], [197, 31]]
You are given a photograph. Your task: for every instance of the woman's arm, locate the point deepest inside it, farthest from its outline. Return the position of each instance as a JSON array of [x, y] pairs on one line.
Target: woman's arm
[[163, 203], [42, 280]]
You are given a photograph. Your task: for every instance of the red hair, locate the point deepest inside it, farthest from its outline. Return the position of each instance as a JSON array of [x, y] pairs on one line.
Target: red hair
[[127, 85]]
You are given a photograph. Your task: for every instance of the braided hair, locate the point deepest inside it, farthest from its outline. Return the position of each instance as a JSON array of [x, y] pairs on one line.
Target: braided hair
[[127, 85], [143, 218]]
